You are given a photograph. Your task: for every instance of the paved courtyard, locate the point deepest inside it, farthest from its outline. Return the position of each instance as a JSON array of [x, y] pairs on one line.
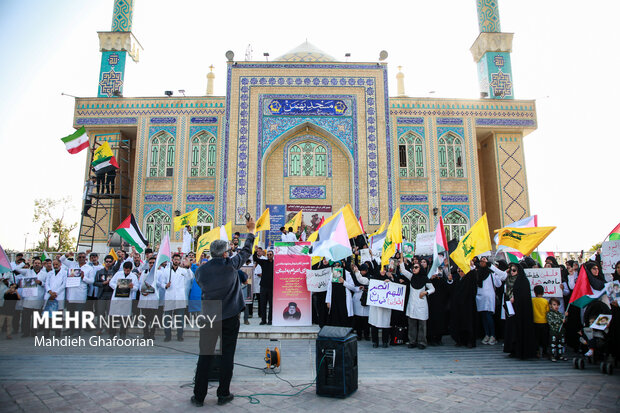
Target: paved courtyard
[[397, 379]]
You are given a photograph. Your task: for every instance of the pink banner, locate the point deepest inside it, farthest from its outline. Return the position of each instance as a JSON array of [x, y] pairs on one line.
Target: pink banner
[[292, 303]]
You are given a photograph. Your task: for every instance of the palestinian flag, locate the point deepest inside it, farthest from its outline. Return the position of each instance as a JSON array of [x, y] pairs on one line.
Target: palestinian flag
[[513, 256], [615, 233], [440, 247], [163, 255], [77, 141], [5, 265], [130, 232], [103, 159], [582, 293]]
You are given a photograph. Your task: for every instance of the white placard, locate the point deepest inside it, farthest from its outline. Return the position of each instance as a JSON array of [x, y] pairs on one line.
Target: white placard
[[610, 255], [317, 280], [549, 278], [424, 243], [386, 294], [365, 255], [74, 278]]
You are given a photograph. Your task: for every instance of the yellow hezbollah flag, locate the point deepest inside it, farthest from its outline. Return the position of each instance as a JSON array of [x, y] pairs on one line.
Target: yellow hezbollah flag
[[263, 223], [379, 231], [524, 240], [393, 236], [226, 231], [256, 241], [190, 218], [205, 240], [476, 241], [295, 222], [113, 254]]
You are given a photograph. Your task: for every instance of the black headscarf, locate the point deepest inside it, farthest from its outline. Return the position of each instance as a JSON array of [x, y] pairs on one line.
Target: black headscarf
[[554, 262], [519, 337], [419, 280], [482, 273], [616, 274], [598, 282]]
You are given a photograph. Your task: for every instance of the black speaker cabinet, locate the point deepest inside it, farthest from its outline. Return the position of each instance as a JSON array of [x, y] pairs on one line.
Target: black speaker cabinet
[[336, 362]]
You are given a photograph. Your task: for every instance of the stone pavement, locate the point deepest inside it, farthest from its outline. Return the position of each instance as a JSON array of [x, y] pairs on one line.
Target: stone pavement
[[444, 378]]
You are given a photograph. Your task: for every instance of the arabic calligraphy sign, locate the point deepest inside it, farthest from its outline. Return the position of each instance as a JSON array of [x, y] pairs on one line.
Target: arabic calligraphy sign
[[317, 280], [307, 107], [610, 254], [386, 294], [549, 278]]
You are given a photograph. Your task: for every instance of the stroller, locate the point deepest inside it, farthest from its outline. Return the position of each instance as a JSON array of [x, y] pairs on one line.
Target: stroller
[[594, 343]]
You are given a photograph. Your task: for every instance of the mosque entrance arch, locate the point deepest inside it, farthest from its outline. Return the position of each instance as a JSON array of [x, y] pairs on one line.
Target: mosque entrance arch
[[307, 167]]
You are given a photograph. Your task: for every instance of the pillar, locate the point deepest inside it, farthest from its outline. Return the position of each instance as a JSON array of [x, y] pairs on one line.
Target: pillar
[[491, 52]]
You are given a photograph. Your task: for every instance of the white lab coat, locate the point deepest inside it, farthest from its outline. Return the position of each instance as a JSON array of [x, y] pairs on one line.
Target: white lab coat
[[417, 307], [176, 294], [56, 283], [78, 294], [92, 290], [188, 239], [122, 305], [379, 317], [36, 302], [485, 297], [349, 289], [291, 237], [358, 308], [150, 301]]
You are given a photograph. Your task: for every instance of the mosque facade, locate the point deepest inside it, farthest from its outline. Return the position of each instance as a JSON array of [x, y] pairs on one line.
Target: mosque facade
[[307, 132]]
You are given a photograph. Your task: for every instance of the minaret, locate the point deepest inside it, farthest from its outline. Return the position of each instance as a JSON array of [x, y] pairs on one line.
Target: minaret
[[491, 51], [210, 77], [114, 46], [400, 83]]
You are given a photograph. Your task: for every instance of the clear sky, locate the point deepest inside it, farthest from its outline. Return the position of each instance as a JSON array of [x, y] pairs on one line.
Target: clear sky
[[565, 55]]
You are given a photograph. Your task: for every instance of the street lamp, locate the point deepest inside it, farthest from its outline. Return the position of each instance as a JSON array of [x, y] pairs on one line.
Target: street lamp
[[26, 240]]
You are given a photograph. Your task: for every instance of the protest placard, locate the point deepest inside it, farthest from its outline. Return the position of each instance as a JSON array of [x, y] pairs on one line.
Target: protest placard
[[408, 249], [291, 299], [74, 278], [424, 243], [549, 278], [386, 294], [365, 255], [29, 286], [610, 255], [317, 280]]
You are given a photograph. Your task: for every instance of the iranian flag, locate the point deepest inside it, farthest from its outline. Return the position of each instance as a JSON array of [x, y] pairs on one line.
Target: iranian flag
[[440, 247], [77, 141], [582, 293], [130, 232]]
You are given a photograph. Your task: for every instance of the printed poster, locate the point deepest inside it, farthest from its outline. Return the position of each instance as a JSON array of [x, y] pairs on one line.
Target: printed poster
[[292, 302], [549, 278]]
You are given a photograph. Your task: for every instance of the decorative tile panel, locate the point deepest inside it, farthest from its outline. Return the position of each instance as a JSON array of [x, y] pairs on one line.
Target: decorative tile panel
[[413, 198], [454, 198], [307, 192], [158, 121], [200, 198], [157, 198]]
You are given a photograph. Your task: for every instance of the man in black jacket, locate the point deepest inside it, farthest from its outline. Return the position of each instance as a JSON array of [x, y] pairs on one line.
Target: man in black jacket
[[266, 286], [218, 280]]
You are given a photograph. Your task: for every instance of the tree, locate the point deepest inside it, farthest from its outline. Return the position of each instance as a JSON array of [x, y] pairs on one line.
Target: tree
[[50, 215], [596, 247]]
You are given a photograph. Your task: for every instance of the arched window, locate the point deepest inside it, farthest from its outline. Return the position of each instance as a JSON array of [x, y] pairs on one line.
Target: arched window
[[411, 156], [414, 222], [202, 155], [451, 159], [456, 225], [295, 161], [157, 225], [307, 159], [161, 154]]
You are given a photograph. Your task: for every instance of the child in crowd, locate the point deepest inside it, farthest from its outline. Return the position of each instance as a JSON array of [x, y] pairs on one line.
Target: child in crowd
[[556, 320], [11, 296], [541, 307]]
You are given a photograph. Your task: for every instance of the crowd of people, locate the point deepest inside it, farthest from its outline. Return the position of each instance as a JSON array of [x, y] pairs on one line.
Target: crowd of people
[[490, 303]]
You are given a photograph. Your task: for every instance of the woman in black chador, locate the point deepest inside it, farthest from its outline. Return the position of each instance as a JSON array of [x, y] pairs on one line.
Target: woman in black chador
[[519, 338]]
